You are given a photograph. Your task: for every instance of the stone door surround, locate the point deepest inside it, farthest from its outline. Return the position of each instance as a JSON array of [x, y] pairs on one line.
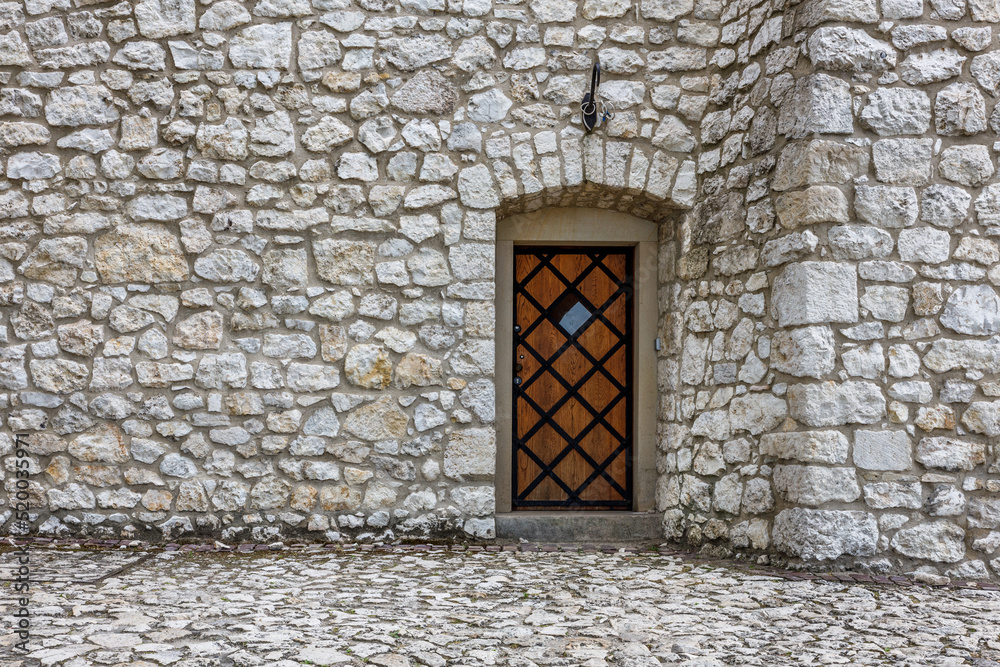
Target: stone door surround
[[581, 227]]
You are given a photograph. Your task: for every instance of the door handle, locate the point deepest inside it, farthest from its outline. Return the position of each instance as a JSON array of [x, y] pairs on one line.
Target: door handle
[[518, 368]]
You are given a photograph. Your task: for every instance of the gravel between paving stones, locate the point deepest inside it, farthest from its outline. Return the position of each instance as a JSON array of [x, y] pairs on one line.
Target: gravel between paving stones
[[435, 607]]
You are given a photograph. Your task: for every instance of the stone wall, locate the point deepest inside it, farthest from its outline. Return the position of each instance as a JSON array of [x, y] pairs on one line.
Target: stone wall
[[247, 262], [247, 248], [855, 420]]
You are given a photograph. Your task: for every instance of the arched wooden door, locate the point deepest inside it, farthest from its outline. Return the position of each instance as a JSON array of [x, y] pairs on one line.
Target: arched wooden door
[[572, 418]]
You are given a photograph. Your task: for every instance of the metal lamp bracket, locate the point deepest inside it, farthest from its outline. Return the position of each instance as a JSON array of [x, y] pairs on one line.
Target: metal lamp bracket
[[592, 107]]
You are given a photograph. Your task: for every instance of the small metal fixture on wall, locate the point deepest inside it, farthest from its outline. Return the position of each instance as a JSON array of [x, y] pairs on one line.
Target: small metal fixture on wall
[[591, 105]]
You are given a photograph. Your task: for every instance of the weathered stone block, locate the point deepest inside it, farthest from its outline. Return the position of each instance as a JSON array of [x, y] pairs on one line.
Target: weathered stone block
[[971, 166], [227, 265], [818, 103], [845, 49], [368, 366], [882, 450], [713, 424], [858, 242], [379, 420], [201, 331], [81, 105], [419, 370], [756, 412], [825, 535], [345, 262], [932, 66], [924, 244], [163, 18], [59, 376], [886, 206], [665, 10], [815, 485], [105, 444], [806, 446], [885, 302], [972, 309], [820, 161], [228, 141], [814, 292], [939, 541], [717, 219], [470, 453], [903, 161], [886, 495], [140, 253], [308, 377], [804, 352], [220, 371], [836, 404], [974, 355], [71, 497], [895, 111], [984, 513], [265, 46], [819, 203], [952, 454], [426, 92]]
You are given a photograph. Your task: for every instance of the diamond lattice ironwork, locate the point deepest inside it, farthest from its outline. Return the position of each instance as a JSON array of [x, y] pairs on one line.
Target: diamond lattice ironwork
[[572, 419]]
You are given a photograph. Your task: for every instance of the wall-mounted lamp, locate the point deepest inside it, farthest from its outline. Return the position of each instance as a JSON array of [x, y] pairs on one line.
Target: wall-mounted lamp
[[589, 106]]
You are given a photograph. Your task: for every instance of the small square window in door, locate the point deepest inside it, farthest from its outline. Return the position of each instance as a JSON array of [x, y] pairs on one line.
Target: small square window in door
[[572, 420]]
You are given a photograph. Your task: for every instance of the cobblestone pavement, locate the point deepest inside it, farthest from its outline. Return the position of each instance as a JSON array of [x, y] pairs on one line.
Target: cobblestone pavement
[[440, 608]]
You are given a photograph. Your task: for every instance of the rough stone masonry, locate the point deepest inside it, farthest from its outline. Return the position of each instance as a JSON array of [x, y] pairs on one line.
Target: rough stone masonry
[[247, 261]]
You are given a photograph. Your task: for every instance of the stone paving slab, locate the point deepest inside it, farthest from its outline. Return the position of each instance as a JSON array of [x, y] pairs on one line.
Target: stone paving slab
[[666, 549], [438, 607], [70, 566]]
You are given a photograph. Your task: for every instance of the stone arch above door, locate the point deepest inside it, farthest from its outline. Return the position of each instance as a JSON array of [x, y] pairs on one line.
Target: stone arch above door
[[590, 171]]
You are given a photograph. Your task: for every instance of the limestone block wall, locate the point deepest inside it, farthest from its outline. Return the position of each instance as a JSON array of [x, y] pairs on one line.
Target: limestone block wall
[[847, 414], [246, 248], [247, 262]]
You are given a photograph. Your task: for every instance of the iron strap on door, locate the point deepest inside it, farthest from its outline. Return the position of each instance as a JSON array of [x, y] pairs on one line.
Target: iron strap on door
[[572, 417]]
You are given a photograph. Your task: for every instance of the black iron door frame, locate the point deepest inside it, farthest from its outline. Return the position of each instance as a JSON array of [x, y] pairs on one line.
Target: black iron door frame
[[624, 287]]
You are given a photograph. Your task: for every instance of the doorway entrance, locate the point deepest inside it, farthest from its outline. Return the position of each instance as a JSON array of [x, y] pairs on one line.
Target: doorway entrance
[[572, 418], [608, 249]]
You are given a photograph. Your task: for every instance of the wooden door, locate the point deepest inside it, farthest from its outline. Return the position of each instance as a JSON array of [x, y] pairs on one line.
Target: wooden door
[[572, 367]]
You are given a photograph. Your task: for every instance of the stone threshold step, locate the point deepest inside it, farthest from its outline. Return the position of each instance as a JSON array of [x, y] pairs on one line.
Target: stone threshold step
[[548, 527]]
